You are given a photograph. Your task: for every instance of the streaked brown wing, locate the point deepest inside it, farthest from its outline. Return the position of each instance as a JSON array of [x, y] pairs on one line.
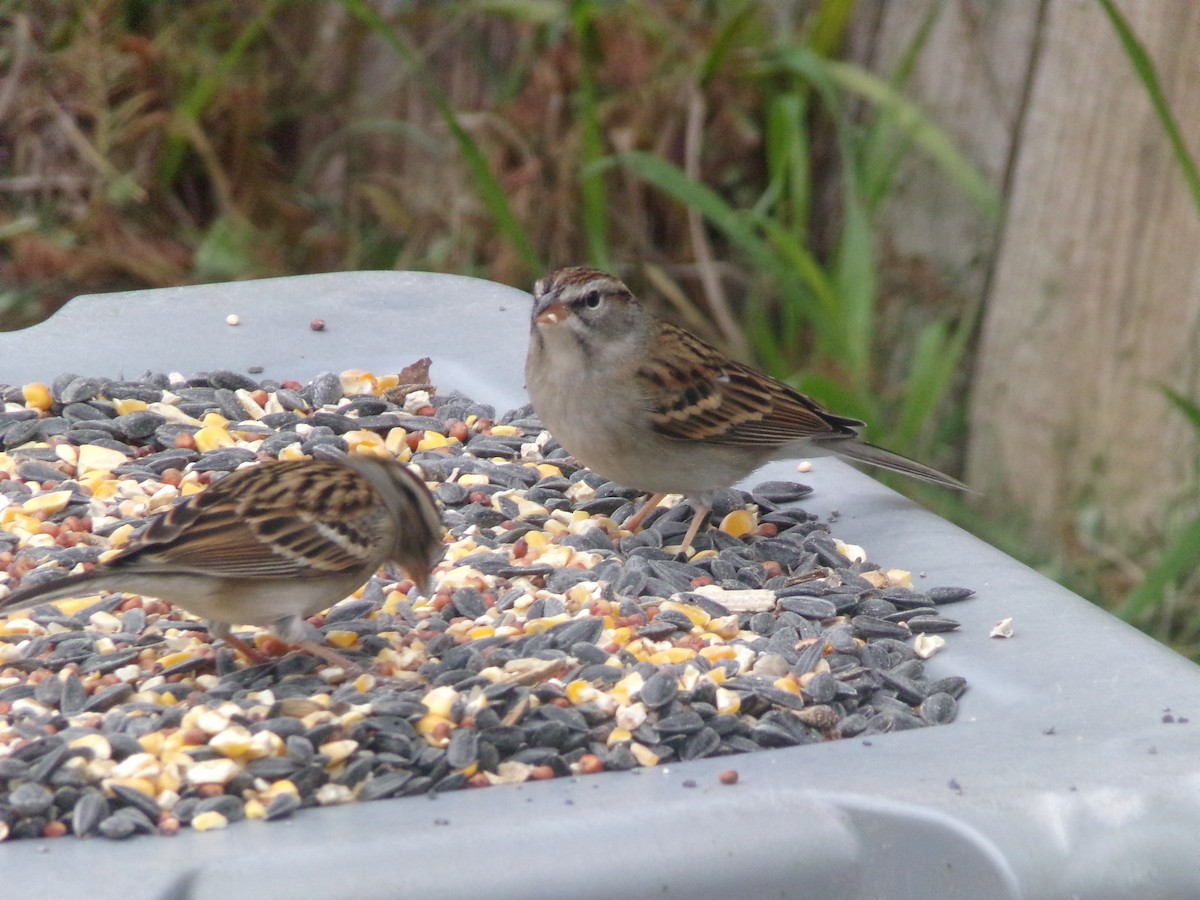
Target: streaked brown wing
[[738, 406], [274, 520]]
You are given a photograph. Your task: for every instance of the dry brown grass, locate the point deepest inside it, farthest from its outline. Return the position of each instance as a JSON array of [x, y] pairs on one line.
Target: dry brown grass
[[141, 148]]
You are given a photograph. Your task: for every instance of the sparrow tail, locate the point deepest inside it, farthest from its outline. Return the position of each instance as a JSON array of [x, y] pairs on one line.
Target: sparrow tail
[[861, 451], [70, 586]]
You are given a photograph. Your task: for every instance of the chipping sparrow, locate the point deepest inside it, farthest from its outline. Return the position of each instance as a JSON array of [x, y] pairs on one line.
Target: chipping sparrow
[[271, 545], [651, 406]]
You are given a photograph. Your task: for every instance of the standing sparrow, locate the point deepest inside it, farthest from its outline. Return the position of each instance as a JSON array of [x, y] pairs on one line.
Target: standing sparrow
[[650, 405], [271, 545]]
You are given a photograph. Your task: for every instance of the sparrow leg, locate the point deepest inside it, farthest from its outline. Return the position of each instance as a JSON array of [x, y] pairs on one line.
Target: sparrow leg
[[635, 521], [330, 656], [296, 632], [698, 519], [224, 631]]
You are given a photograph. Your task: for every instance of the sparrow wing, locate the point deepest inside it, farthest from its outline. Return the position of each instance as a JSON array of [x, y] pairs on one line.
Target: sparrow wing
[[270, 521], [696, 393]]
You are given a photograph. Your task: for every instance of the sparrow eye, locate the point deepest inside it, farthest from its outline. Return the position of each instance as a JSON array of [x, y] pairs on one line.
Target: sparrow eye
[[592, 299]]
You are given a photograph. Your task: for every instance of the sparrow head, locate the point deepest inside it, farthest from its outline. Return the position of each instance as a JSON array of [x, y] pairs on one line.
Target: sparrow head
[[596, 311], [417, 524]]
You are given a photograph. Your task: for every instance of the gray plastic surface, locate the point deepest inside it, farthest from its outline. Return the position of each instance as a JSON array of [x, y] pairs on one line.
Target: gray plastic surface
[[1061, 777]]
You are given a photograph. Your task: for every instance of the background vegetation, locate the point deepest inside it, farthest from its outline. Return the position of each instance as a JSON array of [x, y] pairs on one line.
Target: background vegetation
[[723, 157]]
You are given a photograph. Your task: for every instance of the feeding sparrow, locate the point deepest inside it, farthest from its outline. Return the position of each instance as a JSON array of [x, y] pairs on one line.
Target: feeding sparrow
[[650, 405], [271, 545]]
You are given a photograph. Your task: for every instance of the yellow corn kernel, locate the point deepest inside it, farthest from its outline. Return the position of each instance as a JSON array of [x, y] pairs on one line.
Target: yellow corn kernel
[[141, 785], [431, 440], [472, 479], [209, 821], [548, 471], [900, 577], [98, 459], [396, 440], [386, 382], [73, 605], [788, 683], [152, 742], [727, 702], [128, 405], [392, 603], [481, 631], [430, 726], [716, 676], [342, 639], [37, 396], [672, 655], [96, 744], [624, 689], [713, 652], [254, 809], [175, 658], [365, 682], [617, 736], [620, 636], [643, 754], [360, 440], [640, 648], [214, 420], [233, 742], [440, 700], [213, 437], [290, 453], [13, 519], [100, 485], [172, 778], [580, 692], [51, 502], [187, 488], [725, 627], [852, 552], [283, 786], [337, 751], [698, 616], [536, 540], [738, 523], [540, 626]]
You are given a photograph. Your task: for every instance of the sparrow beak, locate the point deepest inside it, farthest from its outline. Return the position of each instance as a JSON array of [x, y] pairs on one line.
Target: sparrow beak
[[419, 573], [548, 311]]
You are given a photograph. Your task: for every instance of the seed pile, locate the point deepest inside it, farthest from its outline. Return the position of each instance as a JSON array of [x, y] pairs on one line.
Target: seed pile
[[554, 643]]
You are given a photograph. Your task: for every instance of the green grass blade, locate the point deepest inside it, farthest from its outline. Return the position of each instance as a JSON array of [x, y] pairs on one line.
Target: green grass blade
[[923, 133], [788, 194], [882, 151], [1177, 562], [725, 39], [491, 194], [907, 116], [856, 287], [591, 182], [1189, 408], [672, 180], [931, 366], [829, 26], [1143, 67], [822, 310], [201, 94]]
